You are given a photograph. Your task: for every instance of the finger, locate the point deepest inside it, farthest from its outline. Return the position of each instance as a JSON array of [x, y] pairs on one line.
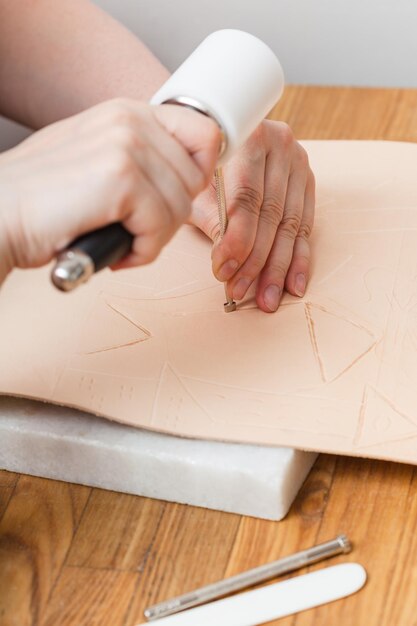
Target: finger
[[276, 181], [148, 222], [145, 250], [198, 134], [244, 183], [148, 209], [272, 279], [204, 213], [165, 180], [169, 129], [298, 272]]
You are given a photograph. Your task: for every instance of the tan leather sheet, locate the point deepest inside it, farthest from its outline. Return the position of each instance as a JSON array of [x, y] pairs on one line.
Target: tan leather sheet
[[335, 371]]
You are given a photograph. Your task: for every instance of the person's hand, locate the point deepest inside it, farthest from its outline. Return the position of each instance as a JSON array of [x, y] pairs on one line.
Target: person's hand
[[118, 161], [270, 194]]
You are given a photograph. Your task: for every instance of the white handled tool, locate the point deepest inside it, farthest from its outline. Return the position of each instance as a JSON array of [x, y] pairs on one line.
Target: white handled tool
[[274, 601], [234, 78]]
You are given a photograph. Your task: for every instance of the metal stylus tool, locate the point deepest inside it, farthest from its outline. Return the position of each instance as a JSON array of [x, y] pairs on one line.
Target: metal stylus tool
[[249, 578], [230, 304]]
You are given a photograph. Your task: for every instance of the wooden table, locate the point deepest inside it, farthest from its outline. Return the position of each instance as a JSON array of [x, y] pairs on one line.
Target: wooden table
[[71, 555]]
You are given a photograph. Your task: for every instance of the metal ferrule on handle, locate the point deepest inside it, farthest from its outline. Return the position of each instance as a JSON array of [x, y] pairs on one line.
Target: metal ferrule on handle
[[90, 253]]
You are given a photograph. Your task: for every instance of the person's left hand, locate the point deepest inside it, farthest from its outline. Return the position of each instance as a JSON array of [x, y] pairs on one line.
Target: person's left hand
[[270, 192]]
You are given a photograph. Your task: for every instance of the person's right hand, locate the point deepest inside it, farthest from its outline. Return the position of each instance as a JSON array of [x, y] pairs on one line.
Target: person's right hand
[[120, 161]]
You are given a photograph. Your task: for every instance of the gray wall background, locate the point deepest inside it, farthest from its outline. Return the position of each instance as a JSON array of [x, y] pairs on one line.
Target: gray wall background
[[327, 42], [330, 42]]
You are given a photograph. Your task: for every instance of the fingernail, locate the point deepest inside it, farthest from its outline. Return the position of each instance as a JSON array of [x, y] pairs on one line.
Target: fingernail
[[227, 270], [241, 288], [300, 285], [272, 296]]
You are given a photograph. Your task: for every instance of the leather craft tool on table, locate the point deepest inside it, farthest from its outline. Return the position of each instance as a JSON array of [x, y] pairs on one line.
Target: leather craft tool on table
[[271, 602], [339, 545]]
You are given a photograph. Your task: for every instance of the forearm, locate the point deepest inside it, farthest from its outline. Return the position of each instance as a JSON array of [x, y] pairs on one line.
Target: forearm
[[58, 57]]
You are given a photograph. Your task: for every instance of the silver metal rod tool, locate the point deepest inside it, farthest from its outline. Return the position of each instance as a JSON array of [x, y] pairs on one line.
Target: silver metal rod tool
[[230, 304], [249, 578]]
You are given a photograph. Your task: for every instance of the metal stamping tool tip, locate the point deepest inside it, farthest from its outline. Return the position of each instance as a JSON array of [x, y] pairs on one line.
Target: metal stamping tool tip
[[229, 306]]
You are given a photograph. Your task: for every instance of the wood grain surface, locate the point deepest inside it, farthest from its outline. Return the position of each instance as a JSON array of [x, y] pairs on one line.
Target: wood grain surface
[[75, 556]]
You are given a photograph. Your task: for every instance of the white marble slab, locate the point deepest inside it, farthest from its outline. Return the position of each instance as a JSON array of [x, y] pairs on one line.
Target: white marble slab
[[64, 444]]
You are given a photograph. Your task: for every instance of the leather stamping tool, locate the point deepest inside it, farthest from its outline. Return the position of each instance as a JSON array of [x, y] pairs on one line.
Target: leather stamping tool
[[234, 78], [230, 304]]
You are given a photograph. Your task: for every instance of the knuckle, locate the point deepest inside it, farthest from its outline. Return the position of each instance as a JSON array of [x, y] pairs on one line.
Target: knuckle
[[29, 243], [210, 225], [277, 269], [248, 198], [272, 209], [119, 182], [300, 261], [126, 139], [285, 135], [121, 165], [213, 232], [122, 112], [304, 231], [118, 110], [290, 226]]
